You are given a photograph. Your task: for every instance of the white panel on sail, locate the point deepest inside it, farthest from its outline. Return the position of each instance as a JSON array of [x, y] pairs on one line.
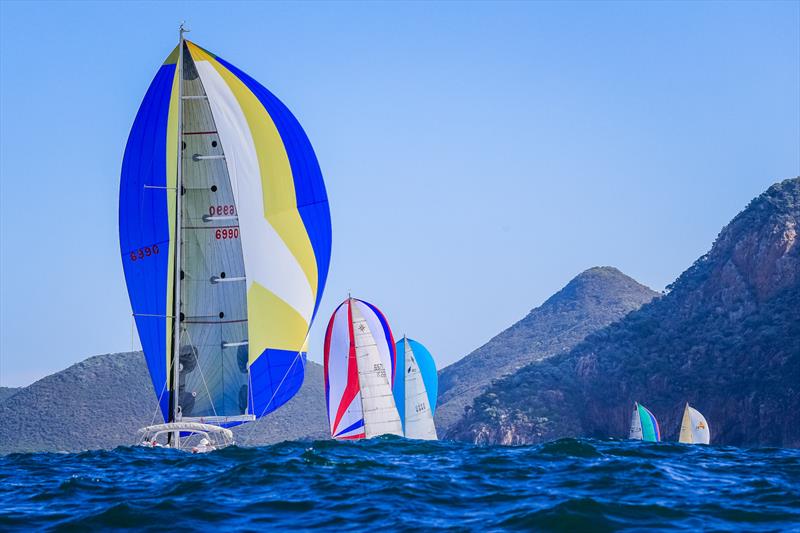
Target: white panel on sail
[[636, 425], [268, 259], [375, 326], [380, 414], [418, 415]]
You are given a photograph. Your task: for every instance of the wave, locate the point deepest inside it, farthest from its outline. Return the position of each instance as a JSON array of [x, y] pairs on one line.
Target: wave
[[569, 484]]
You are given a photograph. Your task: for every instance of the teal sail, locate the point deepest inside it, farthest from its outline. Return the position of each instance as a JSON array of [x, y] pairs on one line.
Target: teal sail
[[416, 387], [644, 425]]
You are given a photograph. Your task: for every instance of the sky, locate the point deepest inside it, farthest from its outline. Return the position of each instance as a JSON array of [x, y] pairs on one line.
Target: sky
[[477, 156]]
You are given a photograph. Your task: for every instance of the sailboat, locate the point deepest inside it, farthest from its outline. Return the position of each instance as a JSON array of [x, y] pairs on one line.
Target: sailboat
[[360, 361], [694, 428], [644, 425], [225, 238], [415, 390]]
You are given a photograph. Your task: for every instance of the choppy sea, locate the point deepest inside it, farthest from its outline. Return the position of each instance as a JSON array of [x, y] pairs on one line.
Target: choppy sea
[[396, 484]]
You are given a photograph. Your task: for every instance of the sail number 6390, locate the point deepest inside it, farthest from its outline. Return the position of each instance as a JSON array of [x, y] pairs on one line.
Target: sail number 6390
[[141, 253]]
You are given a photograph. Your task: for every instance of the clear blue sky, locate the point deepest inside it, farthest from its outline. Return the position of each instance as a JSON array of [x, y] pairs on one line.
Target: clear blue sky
[[487, 152]]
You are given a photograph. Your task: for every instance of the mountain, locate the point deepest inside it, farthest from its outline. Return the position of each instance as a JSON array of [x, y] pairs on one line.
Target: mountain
[[591, 301], [7, 392], [102, 402], [726, 338]]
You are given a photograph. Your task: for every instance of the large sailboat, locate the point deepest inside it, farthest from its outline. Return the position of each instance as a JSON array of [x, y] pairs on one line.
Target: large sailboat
[[360, 361], [694, 428], [415, 389], [225, 238]]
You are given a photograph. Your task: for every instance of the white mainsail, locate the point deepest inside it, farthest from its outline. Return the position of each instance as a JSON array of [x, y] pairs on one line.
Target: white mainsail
[[636, 424], [418, 413], [380, 414], [694, 428]]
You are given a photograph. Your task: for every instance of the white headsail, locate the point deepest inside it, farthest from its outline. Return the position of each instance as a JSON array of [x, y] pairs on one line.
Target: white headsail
[[694, 428], [380, 413], [418, 410]]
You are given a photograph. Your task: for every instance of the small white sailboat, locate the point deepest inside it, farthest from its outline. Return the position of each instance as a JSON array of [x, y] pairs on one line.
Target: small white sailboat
[[416, 389], [694, 428]]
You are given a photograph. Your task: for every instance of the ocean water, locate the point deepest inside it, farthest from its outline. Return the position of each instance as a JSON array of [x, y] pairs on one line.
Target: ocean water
[[395, 484]]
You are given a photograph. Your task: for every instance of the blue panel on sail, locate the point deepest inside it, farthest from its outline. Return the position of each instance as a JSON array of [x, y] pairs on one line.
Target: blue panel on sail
[[427, 367], [279, 375], [144, 227]]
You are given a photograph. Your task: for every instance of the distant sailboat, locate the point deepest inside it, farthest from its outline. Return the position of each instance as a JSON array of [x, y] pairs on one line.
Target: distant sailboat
[[694, 428], [644, 425], [360, 361], [416, 389], [225, 237]]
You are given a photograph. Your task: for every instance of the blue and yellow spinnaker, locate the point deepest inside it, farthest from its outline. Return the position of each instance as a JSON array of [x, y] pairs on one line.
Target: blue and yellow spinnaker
[[255, 239]]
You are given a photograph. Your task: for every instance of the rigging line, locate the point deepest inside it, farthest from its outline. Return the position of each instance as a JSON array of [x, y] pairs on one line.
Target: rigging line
[[278, 388], [158, 403], [200, 368]]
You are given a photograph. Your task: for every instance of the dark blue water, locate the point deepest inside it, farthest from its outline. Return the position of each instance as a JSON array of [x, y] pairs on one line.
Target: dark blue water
[[566, 485]]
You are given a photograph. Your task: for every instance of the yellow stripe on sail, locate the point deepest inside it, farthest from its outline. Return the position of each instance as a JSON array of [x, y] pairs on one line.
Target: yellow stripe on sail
[[172, 180], [284, 328], [280, 203]]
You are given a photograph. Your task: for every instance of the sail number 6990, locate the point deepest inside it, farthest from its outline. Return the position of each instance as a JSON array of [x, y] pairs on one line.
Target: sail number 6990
[[227, 233]]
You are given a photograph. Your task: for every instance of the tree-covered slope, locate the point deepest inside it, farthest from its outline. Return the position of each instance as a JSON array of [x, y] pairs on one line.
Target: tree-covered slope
[[591, 301], [726, 338], [7, 392], [103, 401]]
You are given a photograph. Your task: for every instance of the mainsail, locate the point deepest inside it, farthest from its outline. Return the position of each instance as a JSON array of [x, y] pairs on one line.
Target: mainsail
[[644, 425], [415, 390], [225, 238], [694, 428], [360, 362]]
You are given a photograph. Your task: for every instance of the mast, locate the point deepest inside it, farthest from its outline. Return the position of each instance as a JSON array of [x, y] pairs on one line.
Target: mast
[[175, 441]]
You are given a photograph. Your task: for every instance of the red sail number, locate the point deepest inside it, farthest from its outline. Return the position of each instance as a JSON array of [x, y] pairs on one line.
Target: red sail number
[[222, 210], [145, 252], [227, 233]]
